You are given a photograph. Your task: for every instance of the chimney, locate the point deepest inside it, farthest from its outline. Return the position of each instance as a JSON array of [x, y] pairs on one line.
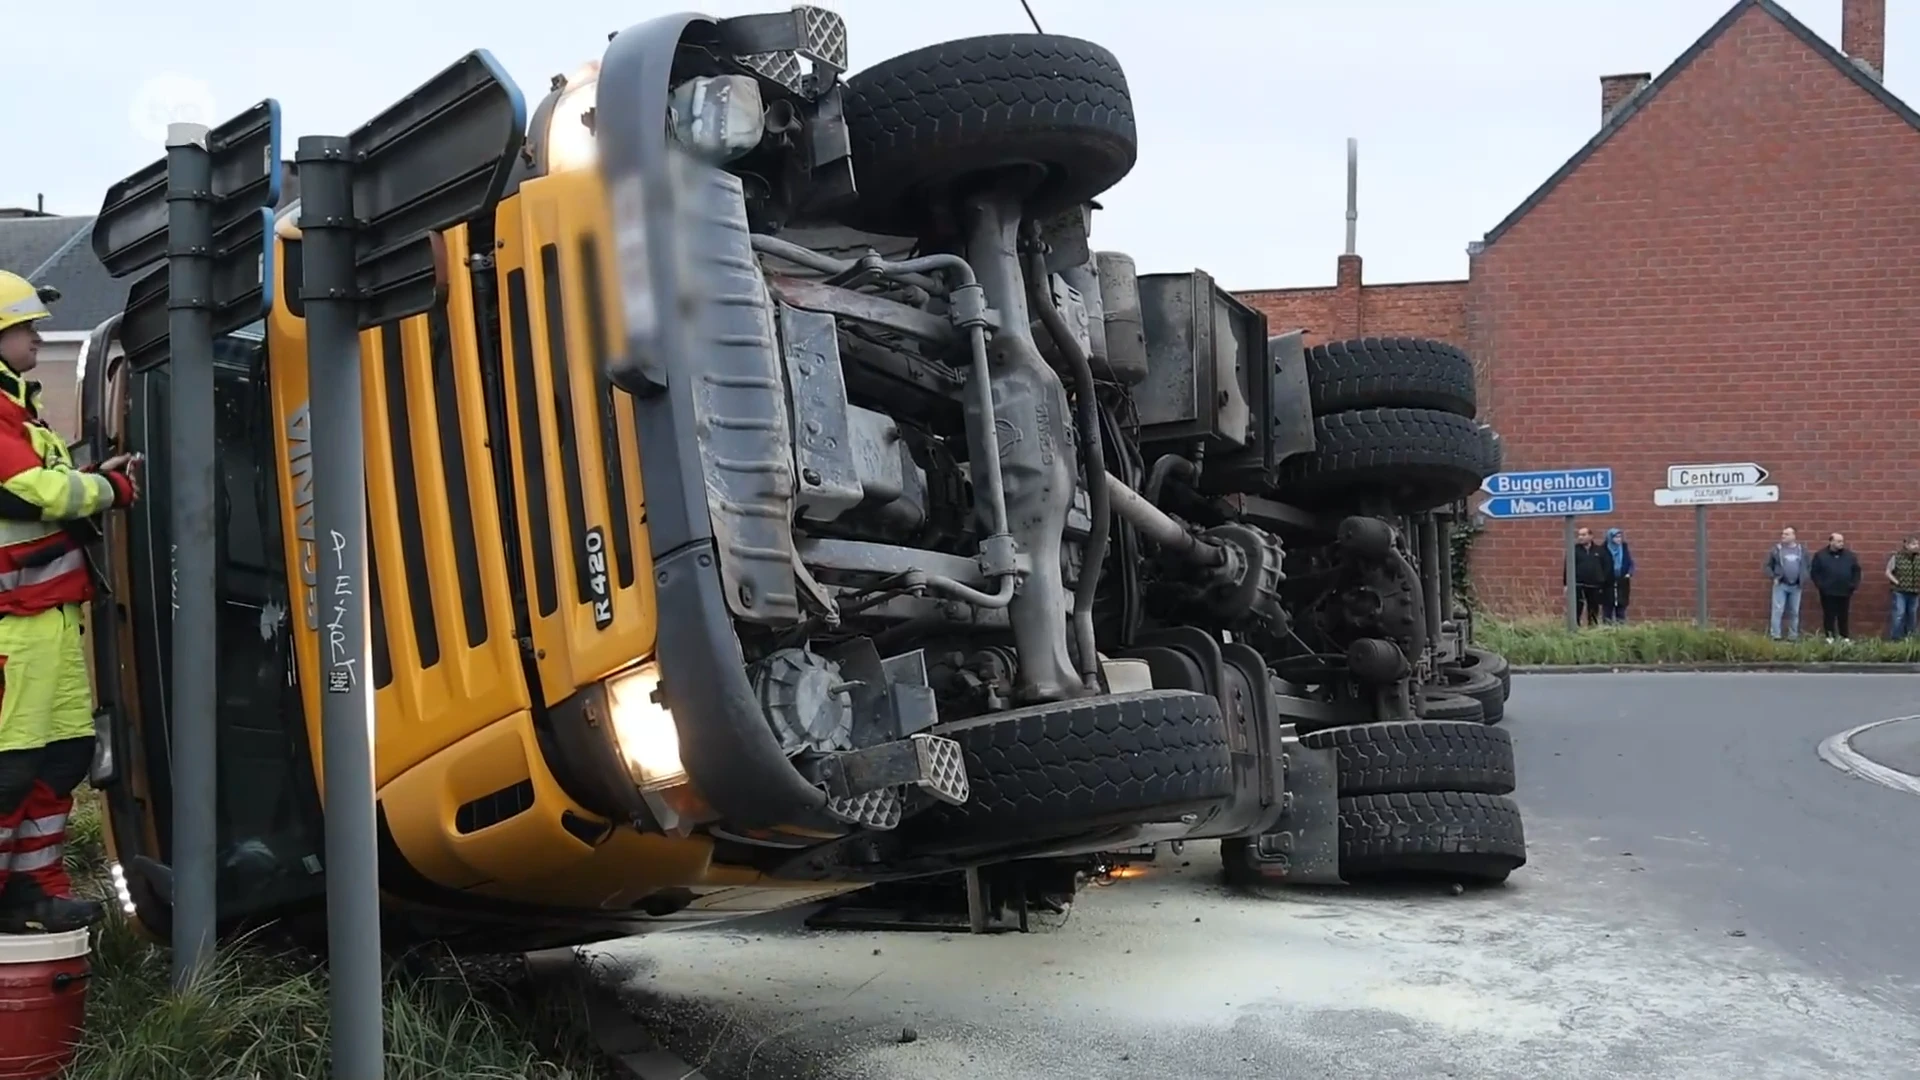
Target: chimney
[[1863, 34], [1616, 89]]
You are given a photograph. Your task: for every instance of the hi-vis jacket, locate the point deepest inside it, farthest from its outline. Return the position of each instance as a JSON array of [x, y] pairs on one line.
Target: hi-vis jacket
[[42, 565]]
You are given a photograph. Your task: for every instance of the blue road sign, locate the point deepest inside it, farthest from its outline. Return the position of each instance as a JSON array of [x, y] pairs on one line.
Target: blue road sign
[[1532, 506], [1550, 482]]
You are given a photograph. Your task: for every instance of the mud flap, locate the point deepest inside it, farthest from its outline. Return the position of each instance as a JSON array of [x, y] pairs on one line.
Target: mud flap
[[1303, 847]]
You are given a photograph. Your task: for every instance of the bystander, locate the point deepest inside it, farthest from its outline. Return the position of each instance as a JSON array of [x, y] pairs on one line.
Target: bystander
[[1903, 573], [1835, 574], [1786, 568]]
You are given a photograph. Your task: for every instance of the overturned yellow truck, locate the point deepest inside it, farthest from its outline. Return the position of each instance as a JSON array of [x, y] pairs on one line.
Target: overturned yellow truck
[[928, 538]]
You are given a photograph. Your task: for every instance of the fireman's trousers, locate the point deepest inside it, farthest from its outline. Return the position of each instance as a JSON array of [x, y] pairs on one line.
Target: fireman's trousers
[[46, 744], [44, 693]]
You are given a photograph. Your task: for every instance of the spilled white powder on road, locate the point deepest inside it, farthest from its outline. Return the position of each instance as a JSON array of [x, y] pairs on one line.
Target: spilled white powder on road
[[1571, 971]]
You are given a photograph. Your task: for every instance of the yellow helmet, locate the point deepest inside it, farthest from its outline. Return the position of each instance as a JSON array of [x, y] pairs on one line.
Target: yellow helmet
[[20, 302]]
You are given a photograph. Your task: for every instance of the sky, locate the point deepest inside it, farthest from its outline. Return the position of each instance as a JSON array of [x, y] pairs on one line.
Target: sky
[[1461, 107]]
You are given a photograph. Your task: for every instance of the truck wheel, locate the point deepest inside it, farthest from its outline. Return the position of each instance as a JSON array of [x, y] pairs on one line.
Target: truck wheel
[[1475, 658], [1451, 835], [1419, 755], [1480, 685], [921, 123], [1373, 373], [1441, 705], [1416, 459], [1054, 769]]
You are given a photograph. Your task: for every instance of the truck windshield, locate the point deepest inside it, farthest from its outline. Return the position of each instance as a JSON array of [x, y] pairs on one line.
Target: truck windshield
[[269, 820]]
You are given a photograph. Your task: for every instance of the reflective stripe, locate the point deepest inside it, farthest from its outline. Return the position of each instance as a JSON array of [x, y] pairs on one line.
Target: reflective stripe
[[51, 825], [20, 532], [84, 490], [68, 563], [26, 305], [29, 861]]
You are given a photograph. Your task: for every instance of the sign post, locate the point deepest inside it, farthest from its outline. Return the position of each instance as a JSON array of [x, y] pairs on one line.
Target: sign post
[[371, 206], [1700, 486], [1562, 493], [205, 213]]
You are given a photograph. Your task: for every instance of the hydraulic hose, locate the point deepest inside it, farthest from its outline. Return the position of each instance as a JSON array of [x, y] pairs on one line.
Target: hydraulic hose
[[1092, 460]]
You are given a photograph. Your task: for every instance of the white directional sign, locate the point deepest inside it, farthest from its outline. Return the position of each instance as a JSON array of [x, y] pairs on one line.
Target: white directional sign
[[1726, 474], [1726, 495]]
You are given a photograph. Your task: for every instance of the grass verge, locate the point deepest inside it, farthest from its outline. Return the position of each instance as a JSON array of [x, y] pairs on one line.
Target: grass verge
[[261, 1014], [1547, 641]]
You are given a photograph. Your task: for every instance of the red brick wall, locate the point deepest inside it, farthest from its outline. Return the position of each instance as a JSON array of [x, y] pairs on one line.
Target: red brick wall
[[1351, 308], [1733, 276]]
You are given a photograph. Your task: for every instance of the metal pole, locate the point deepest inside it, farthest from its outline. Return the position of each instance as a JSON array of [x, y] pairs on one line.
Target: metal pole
[[1573, 611], [1353, 192], [190, 419], [1700, 565], [346, 704]]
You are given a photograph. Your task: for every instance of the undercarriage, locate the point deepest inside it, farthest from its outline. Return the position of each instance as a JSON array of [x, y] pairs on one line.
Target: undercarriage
[[1021, 554]]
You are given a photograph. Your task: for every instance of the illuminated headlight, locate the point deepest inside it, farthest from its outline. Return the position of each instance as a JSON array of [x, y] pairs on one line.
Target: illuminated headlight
[[644, 729], [569, 136], [718, 118], [120, 888]]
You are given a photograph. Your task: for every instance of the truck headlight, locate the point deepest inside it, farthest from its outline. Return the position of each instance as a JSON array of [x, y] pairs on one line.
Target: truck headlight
[[643, 728], [569, 135]]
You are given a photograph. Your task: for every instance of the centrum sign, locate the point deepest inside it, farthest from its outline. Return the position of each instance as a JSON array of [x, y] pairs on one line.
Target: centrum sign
[[1550, 482], [1722, 475]]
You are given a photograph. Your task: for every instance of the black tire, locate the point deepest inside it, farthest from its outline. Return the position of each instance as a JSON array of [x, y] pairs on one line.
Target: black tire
[[1419, 755], [1374, 373], [921, 123], [1440, 705], [1451, 835], [1054, 769], [1480, 685], [1478, 659], [1413, 459]]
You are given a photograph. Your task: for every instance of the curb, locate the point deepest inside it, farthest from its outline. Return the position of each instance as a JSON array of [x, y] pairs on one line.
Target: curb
[[1817, 667]]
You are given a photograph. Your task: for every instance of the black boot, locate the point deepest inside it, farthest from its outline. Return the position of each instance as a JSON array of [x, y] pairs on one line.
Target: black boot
[[25, 908]]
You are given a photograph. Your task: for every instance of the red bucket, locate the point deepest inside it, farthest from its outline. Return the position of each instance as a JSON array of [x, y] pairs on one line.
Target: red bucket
[[43, 1002]]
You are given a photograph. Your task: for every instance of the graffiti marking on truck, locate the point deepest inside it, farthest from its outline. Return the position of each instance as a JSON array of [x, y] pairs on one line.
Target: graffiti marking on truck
[[300, 467]]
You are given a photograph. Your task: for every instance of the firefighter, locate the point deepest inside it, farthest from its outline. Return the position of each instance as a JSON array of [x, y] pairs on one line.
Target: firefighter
[[46, 701]]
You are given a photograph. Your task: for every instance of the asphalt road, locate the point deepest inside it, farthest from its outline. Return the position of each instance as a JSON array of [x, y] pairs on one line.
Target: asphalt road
[[1704, 898]]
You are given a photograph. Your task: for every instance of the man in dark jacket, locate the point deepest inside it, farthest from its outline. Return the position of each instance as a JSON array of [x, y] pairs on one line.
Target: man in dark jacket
[[1835, 573], [1592, 574]]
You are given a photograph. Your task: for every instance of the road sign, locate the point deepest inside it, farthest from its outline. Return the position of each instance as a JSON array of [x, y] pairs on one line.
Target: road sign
[[1725, 474], [1550, 482], [134, 231], [1728, 495], [1533, 506]]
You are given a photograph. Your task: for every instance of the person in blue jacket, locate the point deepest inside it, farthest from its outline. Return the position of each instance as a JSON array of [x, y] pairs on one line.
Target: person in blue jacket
[[1613, 608]]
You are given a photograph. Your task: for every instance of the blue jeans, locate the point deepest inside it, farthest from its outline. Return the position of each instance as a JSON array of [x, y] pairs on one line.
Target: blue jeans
[[1786, 601], [1900, 622]]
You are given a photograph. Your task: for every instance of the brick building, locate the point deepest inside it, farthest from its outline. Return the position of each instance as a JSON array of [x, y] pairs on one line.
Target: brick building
[[1729, 270]]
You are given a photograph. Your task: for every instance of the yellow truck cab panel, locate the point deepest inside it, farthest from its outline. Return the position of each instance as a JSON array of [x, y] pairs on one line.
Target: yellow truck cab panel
[[445, 659], [583, 517]]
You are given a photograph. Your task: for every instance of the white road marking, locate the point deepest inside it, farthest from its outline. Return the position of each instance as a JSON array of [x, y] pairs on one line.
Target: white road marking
[[1838, 751]]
